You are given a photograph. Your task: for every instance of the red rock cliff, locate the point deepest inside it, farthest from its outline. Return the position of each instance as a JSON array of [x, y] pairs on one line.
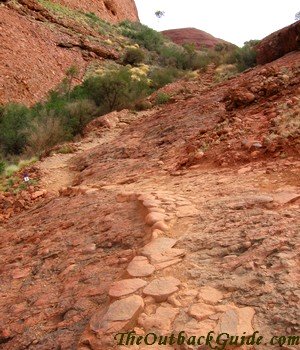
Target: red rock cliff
[[110, 10], [279, 43], [41, 45]]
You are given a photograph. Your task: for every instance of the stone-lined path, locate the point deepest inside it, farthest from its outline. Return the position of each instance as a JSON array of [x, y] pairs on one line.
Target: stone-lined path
[[153, 298]]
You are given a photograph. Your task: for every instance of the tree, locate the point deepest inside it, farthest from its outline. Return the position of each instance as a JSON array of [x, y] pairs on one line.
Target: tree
[[65, 86], [159, 14], [297, 16]]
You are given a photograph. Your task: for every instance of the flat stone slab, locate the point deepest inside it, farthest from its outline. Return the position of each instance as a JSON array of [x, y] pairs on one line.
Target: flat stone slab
[[124, 287], [161, 288], [285, 197], [124, 309], [247, 201], [158, 246], [167, 255], [140, 267], [210, 295], [236, 321], [121, 315]]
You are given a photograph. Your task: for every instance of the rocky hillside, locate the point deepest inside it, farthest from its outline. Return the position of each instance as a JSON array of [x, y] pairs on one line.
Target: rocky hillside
[[192, 35], [180, 218], [47, 38], [110, 10]]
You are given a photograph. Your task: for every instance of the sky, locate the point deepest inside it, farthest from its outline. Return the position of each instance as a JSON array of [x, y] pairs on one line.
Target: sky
[[236, 21]]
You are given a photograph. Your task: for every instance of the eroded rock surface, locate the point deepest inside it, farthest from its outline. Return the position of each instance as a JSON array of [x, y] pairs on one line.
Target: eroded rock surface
[[223, 255], [279, 43]]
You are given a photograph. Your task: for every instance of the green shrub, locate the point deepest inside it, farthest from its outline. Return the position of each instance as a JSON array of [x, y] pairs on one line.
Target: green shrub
[[172, 55], [13, 122], [79, 114], [66, 149], [10, 170], [73, 113], [244, 57], [2, 167], [163, 76], [92, 16], [115, 90], [143, 35], [162, 98], [44, 133], [103, 26], [184, 57], [24, 163], [142, 105], [134, 56]]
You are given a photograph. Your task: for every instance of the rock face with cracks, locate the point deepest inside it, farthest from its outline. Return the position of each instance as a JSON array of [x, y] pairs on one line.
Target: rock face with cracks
[[109, 10], [44, 43], [279, 43]]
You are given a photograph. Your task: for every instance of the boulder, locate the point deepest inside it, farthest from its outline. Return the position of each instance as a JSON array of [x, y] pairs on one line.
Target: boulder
[[278, 44]]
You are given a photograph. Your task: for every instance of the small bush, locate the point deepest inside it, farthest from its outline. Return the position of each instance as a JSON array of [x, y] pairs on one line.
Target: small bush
[[184, 57], [66, 149], [162, 98], [134, 56], [115, 90], [92, 16], [44, 133], [96, 22], [244, 57], [173, 55], [163, 76], [27, 162], [142, 105], [225, 71], [11, 170], [143, 35], [2, 167], [14, 120], [201, 61], [79, 114]]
